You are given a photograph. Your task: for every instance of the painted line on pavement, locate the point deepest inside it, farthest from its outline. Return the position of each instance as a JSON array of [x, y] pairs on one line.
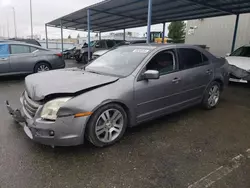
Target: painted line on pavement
[[222, 171]]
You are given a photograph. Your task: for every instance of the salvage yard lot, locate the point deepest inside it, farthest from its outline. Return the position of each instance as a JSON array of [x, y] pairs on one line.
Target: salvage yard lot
[[173, 151]]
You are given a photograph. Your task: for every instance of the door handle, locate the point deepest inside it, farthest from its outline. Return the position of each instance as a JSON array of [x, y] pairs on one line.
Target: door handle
[[176, 80], [209, 72], [4, 59]]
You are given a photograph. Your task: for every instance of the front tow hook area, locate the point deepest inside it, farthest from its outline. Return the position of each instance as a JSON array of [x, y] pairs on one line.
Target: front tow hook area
[[16, 114]]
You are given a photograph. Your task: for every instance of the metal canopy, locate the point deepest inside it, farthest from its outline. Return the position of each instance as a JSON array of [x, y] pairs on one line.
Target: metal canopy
[[113, 15]]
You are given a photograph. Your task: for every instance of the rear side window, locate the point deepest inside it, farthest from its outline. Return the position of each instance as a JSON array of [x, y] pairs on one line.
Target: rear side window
[[4, 50], [32, 49], [189, 58], [19, 49]]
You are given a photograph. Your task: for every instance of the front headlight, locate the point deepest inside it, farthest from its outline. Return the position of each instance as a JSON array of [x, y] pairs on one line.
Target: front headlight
[[51, 108]]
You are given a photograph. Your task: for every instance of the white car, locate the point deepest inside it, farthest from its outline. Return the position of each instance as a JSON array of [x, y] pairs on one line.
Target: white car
[[240, 61]]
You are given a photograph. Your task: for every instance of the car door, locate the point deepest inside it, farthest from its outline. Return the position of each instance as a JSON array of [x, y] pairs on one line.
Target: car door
[[196, 72], [21, 58], [4, 59], [160, 96]]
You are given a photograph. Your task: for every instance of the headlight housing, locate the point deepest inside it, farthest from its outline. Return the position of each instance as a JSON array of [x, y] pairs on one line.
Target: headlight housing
[[51, 108]]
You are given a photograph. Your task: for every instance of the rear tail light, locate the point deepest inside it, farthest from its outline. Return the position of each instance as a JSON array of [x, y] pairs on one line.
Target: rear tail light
[[59, 54]]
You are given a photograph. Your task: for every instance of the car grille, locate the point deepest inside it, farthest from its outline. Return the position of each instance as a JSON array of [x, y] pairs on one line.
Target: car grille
[[29, 105]]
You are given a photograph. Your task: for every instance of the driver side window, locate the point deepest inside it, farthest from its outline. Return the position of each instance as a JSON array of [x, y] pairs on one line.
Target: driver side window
[[164, 62]]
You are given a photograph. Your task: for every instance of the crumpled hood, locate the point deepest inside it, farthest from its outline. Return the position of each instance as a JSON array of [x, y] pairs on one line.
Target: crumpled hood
[[64, 81], [240, 62]]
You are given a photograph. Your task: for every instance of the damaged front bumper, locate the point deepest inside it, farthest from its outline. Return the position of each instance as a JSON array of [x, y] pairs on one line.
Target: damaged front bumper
[[238, 75], [65, 131]]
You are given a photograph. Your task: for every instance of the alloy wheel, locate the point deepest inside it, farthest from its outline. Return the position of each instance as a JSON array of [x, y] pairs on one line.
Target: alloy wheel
[[214, 95], [109, 125], [43, 68]]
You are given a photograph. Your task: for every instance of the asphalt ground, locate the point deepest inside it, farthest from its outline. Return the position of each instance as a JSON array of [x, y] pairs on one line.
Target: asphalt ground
[[185, 149]]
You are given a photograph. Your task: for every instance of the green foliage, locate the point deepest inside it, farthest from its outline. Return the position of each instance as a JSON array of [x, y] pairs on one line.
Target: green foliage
[[177, 31]]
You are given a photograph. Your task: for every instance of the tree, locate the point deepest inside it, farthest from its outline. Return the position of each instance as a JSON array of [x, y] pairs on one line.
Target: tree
[[177, 31], [69, 37], [78, 36]]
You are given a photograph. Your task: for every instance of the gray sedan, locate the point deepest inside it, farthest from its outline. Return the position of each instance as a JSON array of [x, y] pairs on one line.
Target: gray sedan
[[124, 87], [22, 58]]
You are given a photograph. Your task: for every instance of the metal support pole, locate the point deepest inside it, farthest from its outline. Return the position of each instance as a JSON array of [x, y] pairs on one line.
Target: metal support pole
[[14, 15], [88, 16], [8, 28], [100, 36], [163, 33], [46, 36], [61, 34], [124, 34], [149, 20], [235, 32], [31, 19]]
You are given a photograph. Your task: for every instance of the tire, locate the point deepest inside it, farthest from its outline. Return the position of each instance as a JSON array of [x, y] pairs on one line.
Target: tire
[[85, 58], [103, 131], [248, 83], [42, 67], [78, 59], [212, 96]]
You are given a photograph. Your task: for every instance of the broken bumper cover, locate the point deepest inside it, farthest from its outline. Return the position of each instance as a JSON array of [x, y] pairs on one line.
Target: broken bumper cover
[[238, 75], [65, 131]]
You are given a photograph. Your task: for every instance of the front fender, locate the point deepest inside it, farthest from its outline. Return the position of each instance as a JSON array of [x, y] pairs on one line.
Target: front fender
[[119, 92]]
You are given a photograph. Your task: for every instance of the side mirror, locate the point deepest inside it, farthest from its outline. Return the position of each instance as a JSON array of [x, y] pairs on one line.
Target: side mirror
[[151, 74], [228, 54]]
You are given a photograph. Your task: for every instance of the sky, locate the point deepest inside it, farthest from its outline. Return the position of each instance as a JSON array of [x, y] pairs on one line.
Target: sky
[[45, 11]]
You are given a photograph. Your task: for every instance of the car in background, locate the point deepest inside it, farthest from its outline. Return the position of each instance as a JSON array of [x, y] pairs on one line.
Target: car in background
[[240, 60], [96, 45], [69, 53], [124, 87], [101, 52], [23, 58]]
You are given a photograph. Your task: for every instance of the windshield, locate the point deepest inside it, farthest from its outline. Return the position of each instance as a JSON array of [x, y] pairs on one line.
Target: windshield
[[120, 61], [242, 51], [92, 43]]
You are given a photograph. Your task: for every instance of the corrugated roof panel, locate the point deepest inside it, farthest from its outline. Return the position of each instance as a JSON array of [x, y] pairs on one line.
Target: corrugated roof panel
[[112, 15]]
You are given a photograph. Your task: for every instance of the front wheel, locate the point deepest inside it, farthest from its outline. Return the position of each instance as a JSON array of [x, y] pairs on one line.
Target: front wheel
[[85, 58], [212, 96], [107, 125]]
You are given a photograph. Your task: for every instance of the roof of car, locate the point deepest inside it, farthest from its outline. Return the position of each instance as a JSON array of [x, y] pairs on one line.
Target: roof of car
[[156, 45], [18, 42]]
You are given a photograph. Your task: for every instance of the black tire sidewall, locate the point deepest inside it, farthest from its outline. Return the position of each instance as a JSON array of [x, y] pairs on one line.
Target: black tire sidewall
[[205, 103], [90, 129], [39, 64], [85, 58]]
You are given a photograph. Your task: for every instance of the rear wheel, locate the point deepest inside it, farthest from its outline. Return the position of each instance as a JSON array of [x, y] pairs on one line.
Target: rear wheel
[[42, 67], [212, 96], [107, 125]]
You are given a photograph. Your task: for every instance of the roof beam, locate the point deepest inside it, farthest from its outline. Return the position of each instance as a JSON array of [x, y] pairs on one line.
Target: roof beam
[[203, 3], [117, 14], [85, 23]]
